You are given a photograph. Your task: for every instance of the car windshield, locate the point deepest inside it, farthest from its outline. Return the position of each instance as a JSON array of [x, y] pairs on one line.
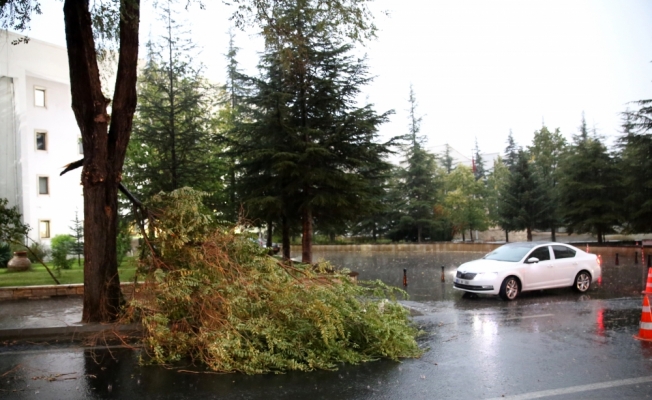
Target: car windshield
[[510, 252]]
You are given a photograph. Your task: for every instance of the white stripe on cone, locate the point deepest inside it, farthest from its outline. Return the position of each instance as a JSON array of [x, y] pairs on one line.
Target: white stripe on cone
[[646, 308], [647, 326]]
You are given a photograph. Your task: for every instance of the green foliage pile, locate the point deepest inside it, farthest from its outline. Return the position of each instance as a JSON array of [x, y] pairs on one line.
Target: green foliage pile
[[214, 297], [62, 246]]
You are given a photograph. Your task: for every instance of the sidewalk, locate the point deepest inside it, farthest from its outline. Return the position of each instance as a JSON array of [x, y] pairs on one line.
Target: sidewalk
[[58, 317]]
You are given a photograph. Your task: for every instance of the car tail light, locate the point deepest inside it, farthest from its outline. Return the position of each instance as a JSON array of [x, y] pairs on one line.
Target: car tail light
[[598, 259]]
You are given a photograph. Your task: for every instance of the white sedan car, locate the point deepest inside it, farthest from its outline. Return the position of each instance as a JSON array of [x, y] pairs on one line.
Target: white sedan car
[[518, 267]]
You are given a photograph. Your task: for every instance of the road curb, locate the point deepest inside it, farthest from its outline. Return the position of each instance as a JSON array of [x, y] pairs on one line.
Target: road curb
[[71, 332]]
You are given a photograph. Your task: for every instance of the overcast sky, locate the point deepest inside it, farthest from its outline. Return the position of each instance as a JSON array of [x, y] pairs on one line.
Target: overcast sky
[[478, 67]]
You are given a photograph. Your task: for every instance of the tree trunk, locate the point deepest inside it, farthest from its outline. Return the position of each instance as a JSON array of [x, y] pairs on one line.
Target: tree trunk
[[506, 236], [286, 237], [373, 232], [553, 233], [270, 232], [418, 233], [600, 236], [331, 237], [104, 148], [306, 239], [471, 235], [463, 237], [529, 234]]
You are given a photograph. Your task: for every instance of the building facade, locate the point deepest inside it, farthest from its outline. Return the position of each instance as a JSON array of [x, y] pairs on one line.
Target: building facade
[[39, 136]]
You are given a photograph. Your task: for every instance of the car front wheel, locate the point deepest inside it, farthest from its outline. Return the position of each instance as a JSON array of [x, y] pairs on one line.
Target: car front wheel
[[582, 282], [510, 288]]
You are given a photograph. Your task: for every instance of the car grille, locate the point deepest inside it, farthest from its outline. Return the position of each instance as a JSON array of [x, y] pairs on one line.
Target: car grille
[[471, 287], [465, 275]]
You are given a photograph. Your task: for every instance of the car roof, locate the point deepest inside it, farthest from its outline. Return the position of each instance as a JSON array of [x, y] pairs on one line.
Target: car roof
[[531, 245]]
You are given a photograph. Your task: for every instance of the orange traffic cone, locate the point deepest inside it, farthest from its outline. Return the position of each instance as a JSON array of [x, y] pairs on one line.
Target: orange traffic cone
[[648, 285], [645, 331]]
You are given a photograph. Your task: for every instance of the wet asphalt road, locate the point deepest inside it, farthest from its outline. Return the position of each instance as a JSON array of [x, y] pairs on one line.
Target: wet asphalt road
[[548, 344]]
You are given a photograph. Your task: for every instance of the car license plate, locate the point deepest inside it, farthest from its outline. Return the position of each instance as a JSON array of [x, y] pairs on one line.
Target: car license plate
[[461, 281]]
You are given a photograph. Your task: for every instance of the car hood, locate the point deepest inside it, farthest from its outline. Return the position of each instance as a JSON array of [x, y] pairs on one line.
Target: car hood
[[478, 266]]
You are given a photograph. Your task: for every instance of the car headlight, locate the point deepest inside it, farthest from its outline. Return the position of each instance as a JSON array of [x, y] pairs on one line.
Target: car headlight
[[487, 276]]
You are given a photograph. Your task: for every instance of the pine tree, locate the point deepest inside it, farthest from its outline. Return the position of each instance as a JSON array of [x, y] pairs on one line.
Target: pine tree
[[546, 150], [522, 205], [479, 172], [584, 131], [320, 154], [172, 141], [418, 178], [511, 152], [447, 160], [77, 229], [636, 169], [589, 187], [496, 186], [235, 93]]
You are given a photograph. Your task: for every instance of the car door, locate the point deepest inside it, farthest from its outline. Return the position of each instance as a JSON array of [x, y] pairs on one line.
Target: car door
[[538, 275], [565, 265]]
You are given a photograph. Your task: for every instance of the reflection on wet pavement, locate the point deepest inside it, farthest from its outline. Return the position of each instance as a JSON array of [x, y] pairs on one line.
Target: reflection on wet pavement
[[424, 276], [54, 312]]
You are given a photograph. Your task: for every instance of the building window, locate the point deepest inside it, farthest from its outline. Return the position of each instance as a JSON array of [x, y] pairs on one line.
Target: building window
[[41, 140], [39, 97], [44, 229], [80, 144], [43, 185]]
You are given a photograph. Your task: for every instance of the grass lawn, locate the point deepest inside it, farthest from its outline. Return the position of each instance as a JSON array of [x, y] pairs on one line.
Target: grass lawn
[[39, 276]]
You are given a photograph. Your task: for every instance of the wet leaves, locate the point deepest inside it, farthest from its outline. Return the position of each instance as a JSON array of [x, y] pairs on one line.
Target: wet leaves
[[56, 377]]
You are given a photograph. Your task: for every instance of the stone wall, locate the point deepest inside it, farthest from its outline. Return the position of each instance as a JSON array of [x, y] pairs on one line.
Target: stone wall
[[425, 247], [47, 291]]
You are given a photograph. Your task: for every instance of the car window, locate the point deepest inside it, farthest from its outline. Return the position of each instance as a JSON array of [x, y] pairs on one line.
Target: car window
[[542, 253], [510, 252], [563, 252]]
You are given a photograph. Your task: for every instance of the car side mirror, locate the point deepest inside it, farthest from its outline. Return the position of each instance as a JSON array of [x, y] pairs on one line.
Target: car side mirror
[[532, 260]]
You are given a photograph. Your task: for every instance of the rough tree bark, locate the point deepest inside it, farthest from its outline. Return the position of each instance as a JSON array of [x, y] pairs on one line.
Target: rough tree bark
[[286, 237], [104, 147], [306, 238]]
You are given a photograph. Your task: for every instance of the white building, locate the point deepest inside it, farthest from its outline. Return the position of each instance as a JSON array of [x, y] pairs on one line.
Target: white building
[[38, 136], [460, 158]]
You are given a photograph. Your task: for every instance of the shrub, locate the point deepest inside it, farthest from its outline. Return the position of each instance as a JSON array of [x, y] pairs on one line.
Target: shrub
[[39, 250], [5, 254], [62, 246], [123, 241], [216, 298]]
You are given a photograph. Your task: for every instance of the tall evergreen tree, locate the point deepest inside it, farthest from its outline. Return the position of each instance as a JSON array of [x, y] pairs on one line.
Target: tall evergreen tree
[[584, 131], [447, 159], [496, 186], [479, 169], [523, 203], [546, 150], [77, 229], [636, 168], [324, 155], [511, 152], [418, 179], [171, 144], [234, 94], [589, 187]]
